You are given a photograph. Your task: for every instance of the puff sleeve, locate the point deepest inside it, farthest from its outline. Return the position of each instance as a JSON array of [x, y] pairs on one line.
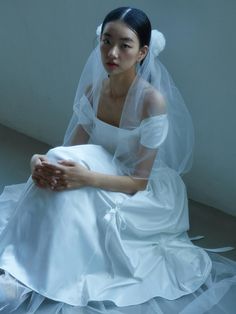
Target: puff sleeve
[[153, 131], [85, 114]]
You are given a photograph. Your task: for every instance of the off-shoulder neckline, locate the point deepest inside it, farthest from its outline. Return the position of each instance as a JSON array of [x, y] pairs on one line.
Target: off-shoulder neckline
[[105, 123], [118, 127]]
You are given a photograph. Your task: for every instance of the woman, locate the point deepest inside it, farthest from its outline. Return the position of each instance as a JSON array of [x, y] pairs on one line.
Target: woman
[[102, 226]]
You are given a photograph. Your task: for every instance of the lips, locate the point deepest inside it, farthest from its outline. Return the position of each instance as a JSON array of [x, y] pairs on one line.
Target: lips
[[112, 64]]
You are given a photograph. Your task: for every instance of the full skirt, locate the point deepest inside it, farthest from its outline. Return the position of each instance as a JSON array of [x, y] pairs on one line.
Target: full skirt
[[94, 251]]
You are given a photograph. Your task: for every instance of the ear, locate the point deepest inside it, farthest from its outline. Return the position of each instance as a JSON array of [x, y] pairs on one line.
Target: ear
[[142, 53]]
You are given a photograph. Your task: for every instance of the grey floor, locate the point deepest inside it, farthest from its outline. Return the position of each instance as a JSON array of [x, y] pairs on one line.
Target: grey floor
[[16, 150]]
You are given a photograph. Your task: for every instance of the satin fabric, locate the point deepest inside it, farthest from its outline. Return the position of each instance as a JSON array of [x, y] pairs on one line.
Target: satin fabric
[[90, 245]]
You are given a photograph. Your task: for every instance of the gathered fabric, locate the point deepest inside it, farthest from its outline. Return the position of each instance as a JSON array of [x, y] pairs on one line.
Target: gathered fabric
[[95, 251]]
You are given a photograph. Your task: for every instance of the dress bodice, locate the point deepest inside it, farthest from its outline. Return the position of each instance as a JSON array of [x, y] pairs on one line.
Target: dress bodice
[[150, 133], [106, 135]]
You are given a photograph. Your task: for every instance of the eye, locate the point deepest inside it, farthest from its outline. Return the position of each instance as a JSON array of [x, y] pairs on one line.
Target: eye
[[106, 41], [125, 46]]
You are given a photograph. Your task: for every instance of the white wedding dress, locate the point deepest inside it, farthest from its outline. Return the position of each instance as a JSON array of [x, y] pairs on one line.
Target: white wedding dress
[[94, 251]]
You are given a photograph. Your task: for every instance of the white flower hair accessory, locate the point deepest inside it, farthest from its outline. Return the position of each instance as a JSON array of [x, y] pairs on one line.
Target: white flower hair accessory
[[99, 30], [158, 42]]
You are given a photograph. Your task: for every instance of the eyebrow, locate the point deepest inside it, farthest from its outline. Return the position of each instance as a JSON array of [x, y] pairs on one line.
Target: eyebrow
[[122, 38], [126, 39]]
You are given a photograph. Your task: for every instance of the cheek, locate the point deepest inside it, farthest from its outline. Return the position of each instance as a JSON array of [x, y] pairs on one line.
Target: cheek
[[103, 54], [130, 56], [103, 48]]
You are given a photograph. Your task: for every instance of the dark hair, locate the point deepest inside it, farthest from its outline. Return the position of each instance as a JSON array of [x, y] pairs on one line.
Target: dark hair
[[135, 19]]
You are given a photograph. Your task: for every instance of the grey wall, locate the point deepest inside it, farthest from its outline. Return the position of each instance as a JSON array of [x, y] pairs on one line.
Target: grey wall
[[44, 44]]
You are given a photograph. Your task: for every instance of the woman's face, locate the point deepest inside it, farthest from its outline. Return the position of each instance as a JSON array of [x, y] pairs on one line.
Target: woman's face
[[120, 48]]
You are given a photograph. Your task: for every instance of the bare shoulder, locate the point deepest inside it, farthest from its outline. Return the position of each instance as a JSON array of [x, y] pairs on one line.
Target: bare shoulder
[[153, 102]]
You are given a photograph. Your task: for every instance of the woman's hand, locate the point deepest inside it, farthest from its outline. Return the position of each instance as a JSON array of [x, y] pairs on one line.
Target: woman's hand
[[65, 175], [39, 177]]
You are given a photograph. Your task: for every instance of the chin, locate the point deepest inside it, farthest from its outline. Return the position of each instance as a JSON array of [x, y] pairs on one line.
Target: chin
[[113, 72]]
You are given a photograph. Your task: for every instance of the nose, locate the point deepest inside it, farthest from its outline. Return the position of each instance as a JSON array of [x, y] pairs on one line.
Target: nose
[[113, 52]]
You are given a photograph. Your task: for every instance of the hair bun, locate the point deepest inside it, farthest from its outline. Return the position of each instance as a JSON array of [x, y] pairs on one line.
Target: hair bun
[[158, 42]]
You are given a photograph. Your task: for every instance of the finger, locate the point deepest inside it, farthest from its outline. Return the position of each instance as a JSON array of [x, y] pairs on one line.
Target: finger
[[38, 168], [69, 163], [43, 159], [57, 181], [61, 179], [42, 175], [61, 187], [38, 173], [41, 184], [54, 183], [36, 177], [47, 171], [40, 179], [53, 168], [42, 171], [48, 165]]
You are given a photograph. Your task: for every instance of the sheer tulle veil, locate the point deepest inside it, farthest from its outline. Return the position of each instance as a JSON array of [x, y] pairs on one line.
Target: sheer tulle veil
[[174, 146]]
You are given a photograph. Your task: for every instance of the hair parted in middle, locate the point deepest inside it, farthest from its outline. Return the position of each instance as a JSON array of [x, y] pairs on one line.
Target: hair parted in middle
[[135, 19]]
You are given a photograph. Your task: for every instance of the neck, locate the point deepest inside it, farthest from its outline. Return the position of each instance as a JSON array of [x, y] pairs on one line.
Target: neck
[[119, 84]]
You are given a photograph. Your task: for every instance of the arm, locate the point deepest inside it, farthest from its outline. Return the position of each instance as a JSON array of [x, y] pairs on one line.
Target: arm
[[124, 184], [71, 175], [80, 136]]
